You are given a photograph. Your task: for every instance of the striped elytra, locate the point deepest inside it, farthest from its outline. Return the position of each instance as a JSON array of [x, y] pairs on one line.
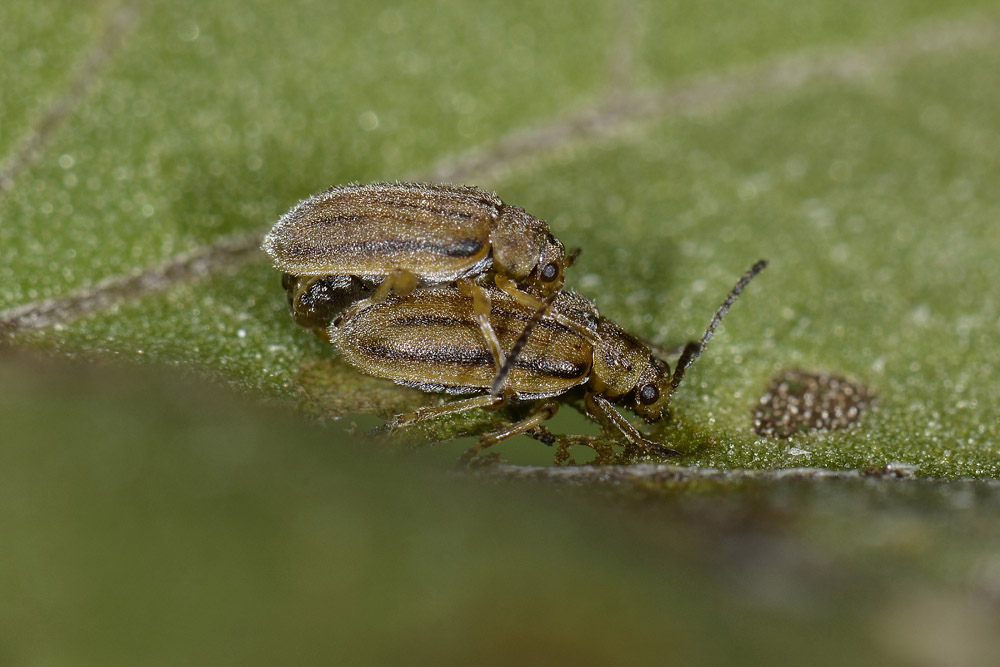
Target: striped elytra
[[431, 339], [439, 233]]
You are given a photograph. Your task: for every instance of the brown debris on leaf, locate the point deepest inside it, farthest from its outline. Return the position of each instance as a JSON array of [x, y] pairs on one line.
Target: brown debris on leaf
[[798, 402]]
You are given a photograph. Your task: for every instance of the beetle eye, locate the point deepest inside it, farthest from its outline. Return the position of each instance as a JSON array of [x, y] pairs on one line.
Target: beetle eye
[[648, 394], [549, 272]]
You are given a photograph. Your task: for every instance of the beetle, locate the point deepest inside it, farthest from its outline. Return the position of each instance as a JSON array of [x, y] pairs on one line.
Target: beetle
[[430, 339], [396, 236]]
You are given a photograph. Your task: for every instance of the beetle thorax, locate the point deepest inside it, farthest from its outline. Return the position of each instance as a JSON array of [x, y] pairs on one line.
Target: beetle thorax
[[518, 239], [619, 359]]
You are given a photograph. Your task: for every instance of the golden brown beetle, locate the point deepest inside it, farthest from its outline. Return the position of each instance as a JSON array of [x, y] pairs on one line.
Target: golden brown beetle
[[439, 233], [430, 339], [395, 236]]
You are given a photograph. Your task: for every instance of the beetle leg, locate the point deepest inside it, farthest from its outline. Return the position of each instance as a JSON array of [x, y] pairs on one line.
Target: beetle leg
[[540, 306], [481, 308], [600, 410], [543, 411], [400, 281], [433, 412], [515, 292], [542, 309]]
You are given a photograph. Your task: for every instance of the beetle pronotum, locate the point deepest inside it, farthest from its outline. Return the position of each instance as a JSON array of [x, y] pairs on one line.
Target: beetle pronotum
[[430, 339], [393, 237]]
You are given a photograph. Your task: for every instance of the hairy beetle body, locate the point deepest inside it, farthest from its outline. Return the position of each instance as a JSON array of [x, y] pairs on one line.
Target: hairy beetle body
[[368, 241], [440, 233], [431, 339]]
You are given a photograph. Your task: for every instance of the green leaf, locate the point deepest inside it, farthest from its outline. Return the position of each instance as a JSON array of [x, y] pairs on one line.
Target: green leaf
[[851, 145], [146, 147]]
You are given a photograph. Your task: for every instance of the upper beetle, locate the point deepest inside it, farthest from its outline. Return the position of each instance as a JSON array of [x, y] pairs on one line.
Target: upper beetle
[[437, 233]]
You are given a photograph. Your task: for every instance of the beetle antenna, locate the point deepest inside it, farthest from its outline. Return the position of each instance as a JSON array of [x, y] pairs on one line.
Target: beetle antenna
[[694, 349], [515, 351], [571, 257]]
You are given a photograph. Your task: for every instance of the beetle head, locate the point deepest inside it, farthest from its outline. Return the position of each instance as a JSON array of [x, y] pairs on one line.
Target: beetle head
[[652, 390], [549, 273], [525, 251], [627, 373]]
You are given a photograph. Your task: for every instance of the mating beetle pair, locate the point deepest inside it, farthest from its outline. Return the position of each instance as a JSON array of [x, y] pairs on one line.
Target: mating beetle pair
[[394, 237], [397, 277]]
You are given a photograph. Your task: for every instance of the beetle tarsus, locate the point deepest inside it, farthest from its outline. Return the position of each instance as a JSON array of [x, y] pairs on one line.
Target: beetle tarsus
[[540, 413]]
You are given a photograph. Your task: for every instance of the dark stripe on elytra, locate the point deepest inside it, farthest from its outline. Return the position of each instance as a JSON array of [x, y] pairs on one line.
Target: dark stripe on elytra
[[373, 219], [440, 355], [444, 320], [432, 321], [462, 248], [525, 317], [474, 357], [459, 249], [565, 370], [488, 210], [329, 220]]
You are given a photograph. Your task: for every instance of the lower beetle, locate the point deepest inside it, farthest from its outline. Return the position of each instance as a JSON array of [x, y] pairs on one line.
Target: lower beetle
[[431, 339]]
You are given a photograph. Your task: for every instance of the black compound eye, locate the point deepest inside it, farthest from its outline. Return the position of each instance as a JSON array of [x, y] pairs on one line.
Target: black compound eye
[[648, 394], [550, 272]]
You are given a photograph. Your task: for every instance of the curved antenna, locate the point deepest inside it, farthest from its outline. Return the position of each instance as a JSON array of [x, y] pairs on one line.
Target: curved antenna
[[694, 349], [515, 351]]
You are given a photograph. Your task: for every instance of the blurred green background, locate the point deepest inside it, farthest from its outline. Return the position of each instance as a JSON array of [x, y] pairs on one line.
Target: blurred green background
[[152, 518]]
